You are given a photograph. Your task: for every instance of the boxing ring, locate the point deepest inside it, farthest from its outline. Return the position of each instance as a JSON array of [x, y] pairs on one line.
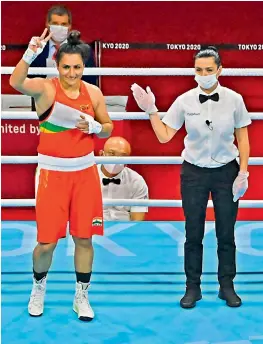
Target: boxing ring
[[138, 276]]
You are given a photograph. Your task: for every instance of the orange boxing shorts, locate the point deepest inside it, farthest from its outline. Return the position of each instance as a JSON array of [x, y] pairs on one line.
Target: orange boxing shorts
[[73, 196]]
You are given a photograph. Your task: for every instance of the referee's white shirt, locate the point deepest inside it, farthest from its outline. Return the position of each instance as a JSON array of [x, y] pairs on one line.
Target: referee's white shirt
[[213, 145], [132, 186]]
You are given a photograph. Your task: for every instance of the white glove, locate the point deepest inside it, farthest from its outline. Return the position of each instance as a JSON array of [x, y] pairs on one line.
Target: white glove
[[88, 125], [35, 47], [240, 185], [94, 127], [145, 100]]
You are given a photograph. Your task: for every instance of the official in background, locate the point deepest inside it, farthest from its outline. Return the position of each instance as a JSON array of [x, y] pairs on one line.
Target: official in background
[[121, 182], [213, 115], [59, 22]]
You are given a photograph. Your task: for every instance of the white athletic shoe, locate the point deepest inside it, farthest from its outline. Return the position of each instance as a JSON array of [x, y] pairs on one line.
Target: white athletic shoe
[[36, 302], [81, 302]]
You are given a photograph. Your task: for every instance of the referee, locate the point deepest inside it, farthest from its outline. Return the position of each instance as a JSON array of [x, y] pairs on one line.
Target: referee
[[214, 116]]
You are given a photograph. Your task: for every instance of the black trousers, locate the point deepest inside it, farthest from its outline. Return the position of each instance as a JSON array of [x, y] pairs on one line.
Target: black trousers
[[196, 185]]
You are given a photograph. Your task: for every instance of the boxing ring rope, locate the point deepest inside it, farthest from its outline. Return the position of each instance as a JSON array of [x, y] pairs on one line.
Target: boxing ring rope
[[124, 115], [113, 115], [139, 71], [138, 160], [131, 202]]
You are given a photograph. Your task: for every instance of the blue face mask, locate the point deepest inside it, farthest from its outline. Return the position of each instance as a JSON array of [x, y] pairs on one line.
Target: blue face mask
[[206, 81]]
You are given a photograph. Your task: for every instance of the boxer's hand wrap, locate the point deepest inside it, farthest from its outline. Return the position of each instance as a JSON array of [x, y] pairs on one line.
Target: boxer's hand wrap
[[30, 55], [94, 127]]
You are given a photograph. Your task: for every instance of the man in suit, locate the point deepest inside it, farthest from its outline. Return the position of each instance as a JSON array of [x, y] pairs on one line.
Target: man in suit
[[59, 21]]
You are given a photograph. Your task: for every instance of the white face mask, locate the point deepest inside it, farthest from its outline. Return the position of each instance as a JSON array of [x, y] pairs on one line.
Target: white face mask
[[206, 81], [60, 33], [114, 168]]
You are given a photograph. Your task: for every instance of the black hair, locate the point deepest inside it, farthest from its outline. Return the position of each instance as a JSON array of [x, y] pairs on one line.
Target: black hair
[[74, 46], [209, 51], [60, 10]]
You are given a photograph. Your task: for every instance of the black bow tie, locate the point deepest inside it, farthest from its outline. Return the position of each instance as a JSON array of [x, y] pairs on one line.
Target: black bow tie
[[107, 181], [203, 98]]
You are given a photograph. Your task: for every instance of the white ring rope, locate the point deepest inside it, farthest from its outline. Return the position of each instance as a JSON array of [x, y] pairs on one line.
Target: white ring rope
[[131, 202], [104, 160], [136, 160], [113, 115], [139, 71]]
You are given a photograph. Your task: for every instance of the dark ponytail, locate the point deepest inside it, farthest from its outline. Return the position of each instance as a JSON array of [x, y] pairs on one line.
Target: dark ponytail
[[209, 51], [74, 46]]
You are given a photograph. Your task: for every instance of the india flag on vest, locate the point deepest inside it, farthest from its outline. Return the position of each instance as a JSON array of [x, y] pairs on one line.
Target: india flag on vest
[[97, 221]]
